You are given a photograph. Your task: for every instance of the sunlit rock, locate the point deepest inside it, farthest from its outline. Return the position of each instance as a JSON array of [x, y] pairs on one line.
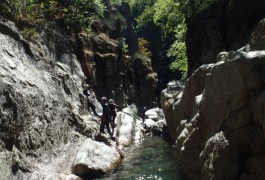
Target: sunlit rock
[[57, 176], [127, 127], [155, 121], [95, 159]]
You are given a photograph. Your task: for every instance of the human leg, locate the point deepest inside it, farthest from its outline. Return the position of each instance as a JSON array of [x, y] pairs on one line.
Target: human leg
[[93, 107], [108, 128]]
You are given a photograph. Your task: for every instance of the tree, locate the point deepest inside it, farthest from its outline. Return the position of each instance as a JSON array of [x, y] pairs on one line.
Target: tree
[[165, 22], [82, 11]]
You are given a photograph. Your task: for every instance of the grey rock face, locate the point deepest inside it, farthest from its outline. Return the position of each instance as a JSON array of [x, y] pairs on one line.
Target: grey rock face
[[217, 121], [46, 131], [41, 105]]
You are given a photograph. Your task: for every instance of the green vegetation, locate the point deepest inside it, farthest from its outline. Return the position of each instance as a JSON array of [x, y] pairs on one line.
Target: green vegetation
[[143, 46], [73, 11], [162, 23], [114, 25], [124, 46], [30, 34], [116, 1]]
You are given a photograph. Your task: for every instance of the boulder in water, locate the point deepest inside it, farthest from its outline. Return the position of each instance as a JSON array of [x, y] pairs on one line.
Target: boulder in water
[[95, 159]]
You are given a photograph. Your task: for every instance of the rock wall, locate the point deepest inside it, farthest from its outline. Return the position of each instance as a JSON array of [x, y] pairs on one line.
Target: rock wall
[[224, 26], [217, 121], [124, 76], [40, 92], [46, 131]]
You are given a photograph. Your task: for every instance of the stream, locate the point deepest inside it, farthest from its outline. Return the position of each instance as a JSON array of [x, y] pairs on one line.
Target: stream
[[154, 158]]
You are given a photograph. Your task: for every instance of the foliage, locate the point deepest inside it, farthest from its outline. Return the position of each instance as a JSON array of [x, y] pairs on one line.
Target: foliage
[[72, 11], [115, 25], [30, 34], [138, 6], [143, 46], [116, 1], [191, 7], [124, 46], [82, 11], [146, 18], [178, 51], [167, 17], [29, 9]]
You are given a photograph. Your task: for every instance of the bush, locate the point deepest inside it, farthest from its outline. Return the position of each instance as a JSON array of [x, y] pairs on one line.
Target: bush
[[143, 46], [73, 11], [30, 34]]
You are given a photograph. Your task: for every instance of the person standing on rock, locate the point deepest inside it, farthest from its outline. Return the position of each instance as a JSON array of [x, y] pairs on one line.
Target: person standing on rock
[[91, 97], [105, 118], [143, 113], [113, 114]]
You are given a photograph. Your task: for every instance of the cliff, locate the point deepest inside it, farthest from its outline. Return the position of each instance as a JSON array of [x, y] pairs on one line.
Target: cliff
[[46, 130], [217, 120], [224, 26], [127, 77]]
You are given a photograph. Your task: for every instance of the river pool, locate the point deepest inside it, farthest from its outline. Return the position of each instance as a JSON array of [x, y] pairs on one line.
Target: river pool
[[154, 158]]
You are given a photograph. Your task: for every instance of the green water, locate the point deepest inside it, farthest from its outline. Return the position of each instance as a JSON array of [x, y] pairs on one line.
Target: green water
[[154, 158]]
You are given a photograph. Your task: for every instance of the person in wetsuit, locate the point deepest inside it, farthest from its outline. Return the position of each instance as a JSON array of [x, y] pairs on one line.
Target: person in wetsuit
[[105, 118], [89, 93], [113, 114]]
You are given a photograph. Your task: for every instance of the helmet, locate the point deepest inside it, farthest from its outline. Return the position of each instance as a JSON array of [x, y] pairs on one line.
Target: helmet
[[86, 86], [104, 99], [111, 101]]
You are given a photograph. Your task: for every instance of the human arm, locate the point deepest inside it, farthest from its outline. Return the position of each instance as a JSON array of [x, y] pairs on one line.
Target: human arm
[[118, 107]]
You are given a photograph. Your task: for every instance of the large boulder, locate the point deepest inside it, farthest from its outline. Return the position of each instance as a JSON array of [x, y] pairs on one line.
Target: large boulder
[[178, 105], [128, 127], [94, 159], [155, 122]]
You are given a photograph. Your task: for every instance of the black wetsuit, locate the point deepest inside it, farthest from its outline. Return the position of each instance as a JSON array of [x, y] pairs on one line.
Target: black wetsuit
[[89, 102], [113, 114], [106, 116]]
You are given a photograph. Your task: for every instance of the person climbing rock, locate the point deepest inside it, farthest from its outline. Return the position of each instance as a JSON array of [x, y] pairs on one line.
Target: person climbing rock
[[113, 114], [91, 97], [105, 118]]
